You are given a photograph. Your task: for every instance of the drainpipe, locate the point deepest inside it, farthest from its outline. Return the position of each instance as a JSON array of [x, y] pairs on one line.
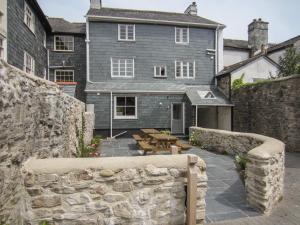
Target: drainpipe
[[48, 64], [111, 116], [87, 50], [196, 116], [216, 54]]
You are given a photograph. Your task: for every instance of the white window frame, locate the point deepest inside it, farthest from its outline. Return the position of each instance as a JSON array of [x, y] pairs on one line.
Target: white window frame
[[160, 67], [58, 50], [125, 117], [180, 29], [45, 39], [119, 76], [202, 94], [60, 70], [188, 69], [119, 32], [32, 66], [31, 26]]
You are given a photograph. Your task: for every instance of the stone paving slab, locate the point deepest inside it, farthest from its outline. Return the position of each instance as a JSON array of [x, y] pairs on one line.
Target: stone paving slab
[[226, 197]]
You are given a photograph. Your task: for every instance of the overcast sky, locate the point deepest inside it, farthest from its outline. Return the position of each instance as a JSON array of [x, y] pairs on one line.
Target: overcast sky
[[283, 15]]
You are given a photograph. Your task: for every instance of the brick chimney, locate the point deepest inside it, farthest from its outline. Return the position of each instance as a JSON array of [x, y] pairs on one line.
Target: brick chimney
[[192, 9], [258, 35], [96, 4]]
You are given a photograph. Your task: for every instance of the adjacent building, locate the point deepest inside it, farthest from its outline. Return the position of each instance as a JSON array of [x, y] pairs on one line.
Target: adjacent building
[[67, 56], [151, 69], [3, 29], [27, 29]]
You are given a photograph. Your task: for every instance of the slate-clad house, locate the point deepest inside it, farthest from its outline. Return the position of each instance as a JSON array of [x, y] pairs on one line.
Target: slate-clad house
[[27, 28], [67, 56], [149, 69]]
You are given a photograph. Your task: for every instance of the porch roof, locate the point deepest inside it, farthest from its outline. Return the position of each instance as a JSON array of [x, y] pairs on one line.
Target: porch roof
[[164, 88], [197, 100]]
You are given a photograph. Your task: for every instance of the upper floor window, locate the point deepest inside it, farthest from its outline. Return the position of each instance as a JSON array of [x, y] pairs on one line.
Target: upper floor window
[[185, 70], [45, 39], [64, 43], [29, 63], [29, 18], [122, 67], [160, 71], [126, 32], [63, 76], [181, 35]]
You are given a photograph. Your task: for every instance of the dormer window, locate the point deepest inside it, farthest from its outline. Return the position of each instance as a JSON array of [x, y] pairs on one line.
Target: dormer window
[[181, 35], [126, 32], [29, 18], [206, 95]]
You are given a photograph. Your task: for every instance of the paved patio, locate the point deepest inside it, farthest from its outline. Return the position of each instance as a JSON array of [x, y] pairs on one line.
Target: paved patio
[[226, 197]]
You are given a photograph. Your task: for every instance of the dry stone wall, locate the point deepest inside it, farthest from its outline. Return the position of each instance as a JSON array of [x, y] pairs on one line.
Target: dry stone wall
[[36, 120], [265, 166], [271, 109], [147, 190]]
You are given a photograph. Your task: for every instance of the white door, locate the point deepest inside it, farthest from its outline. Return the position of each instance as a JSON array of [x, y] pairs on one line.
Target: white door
[[177, 118]]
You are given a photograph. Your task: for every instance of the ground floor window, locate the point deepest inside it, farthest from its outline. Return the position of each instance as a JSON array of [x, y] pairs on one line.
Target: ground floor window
[[125, 107], [29, 63], [63, 76]]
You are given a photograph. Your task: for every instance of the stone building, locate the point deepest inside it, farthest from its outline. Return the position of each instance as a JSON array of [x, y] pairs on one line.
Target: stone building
[[27, 28], [67, 56], [3, 29]]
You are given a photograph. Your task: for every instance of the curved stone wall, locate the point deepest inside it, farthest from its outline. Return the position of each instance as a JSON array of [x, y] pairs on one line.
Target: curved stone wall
[[265, 167], [125, 190]]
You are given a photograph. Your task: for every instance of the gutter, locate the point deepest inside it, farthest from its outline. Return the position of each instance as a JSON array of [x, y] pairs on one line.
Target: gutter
[[152, 21], [134, 91]]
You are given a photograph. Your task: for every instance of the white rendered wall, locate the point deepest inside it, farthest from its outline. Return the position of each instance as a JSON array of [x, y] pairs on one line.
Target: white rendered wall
[[259, 69], [232, 57]]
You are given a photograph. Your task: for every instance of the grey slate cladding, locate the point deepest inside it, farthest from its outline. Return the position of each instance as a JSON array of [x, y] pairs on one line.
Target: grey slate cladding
[[154, 45], [20, 38], [151, 15]]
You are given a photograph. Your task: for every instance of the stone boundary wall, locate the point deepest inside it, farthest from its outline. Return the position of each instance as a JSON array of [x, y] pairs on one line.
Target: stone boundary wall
[[127, 190], [270, 108], [265, 166], [36, 120]]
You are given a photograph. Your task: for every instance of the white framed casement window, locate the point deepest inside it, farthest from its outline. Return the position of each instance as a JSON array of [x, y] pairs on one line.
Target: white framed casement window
[[160, 71], [185, 70], [122, 67], [126, 32], [45, 39], [64, 43], [29, 18], [64, 76], [29, 63], [182, 35], [125, 107]]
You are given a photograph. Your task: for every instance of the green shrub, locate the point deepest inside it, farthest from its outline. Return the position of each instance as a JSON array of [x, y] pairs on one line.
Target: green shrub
[[193, 140], [167, 132], [238, 83], [44, 223], [241, 161]]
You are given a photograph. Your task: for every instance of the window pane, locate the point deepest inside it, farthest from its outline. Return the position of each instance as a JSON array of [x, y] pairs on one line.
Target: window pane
[[177, 112], [157, 71], [121, 101], [130, 111], [163, 71], [191, 69], [130, 101], [178, 69], [121, 111], [185, 70]]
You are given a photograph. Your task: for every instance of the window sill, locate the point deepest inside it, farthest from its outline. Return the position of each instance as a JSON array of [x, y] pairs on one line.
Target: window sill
[[126, 40], [114, 77], [124, 118], [63, 51], [179, 43], [66, 83], [184, 78], [160, 77]]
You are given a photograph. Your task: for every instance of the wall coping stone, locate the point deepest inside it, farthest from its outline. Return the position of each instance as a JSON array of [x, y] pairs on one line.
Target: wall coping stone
[[268, 148], [66, 165]]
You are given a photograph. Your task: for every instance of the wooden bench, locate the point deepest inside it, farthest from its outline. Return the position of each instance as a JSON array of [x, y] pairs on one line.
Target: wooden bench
[[146, 147], [137, 137], [182, 146]]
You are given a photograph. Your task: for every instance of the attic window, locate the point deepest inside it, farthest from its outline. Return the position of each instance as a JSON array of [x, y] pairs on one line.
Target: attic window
[[206, 95]]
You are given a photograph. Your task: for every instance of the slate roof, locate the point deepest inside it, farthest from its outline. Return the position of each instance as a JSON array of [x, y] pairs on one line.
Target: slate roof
[[229, 69], [284, 44], [147, 16], [236, 44], [190, 90], [60, 25]]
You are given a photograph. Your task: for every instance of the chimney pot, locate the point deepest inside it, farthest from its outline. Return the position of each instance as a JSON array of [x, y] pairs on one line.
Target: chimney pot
[[95, 4]]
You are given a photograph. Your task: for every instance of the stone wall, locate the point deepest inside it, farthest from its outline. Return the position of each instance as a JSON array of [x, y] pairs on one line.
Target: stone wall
[[265, 166], [37, 120], [270, 108], [130, 190]]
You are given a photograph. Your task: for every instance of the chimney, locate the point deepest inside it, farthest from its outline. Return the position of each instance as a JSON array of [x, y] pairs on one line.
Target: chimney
[[96, 4], [192, 9], [258, 35]]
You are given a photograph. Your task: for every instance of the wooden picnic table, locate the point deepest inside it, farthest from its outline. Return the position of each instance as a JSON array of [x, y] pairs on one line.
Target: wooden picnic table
[[163, 142], [150, 131]]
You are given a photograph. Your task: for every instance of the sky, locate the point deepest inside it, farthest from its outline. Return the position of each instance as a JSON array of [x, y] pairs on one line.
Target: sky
[[283, 15]]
